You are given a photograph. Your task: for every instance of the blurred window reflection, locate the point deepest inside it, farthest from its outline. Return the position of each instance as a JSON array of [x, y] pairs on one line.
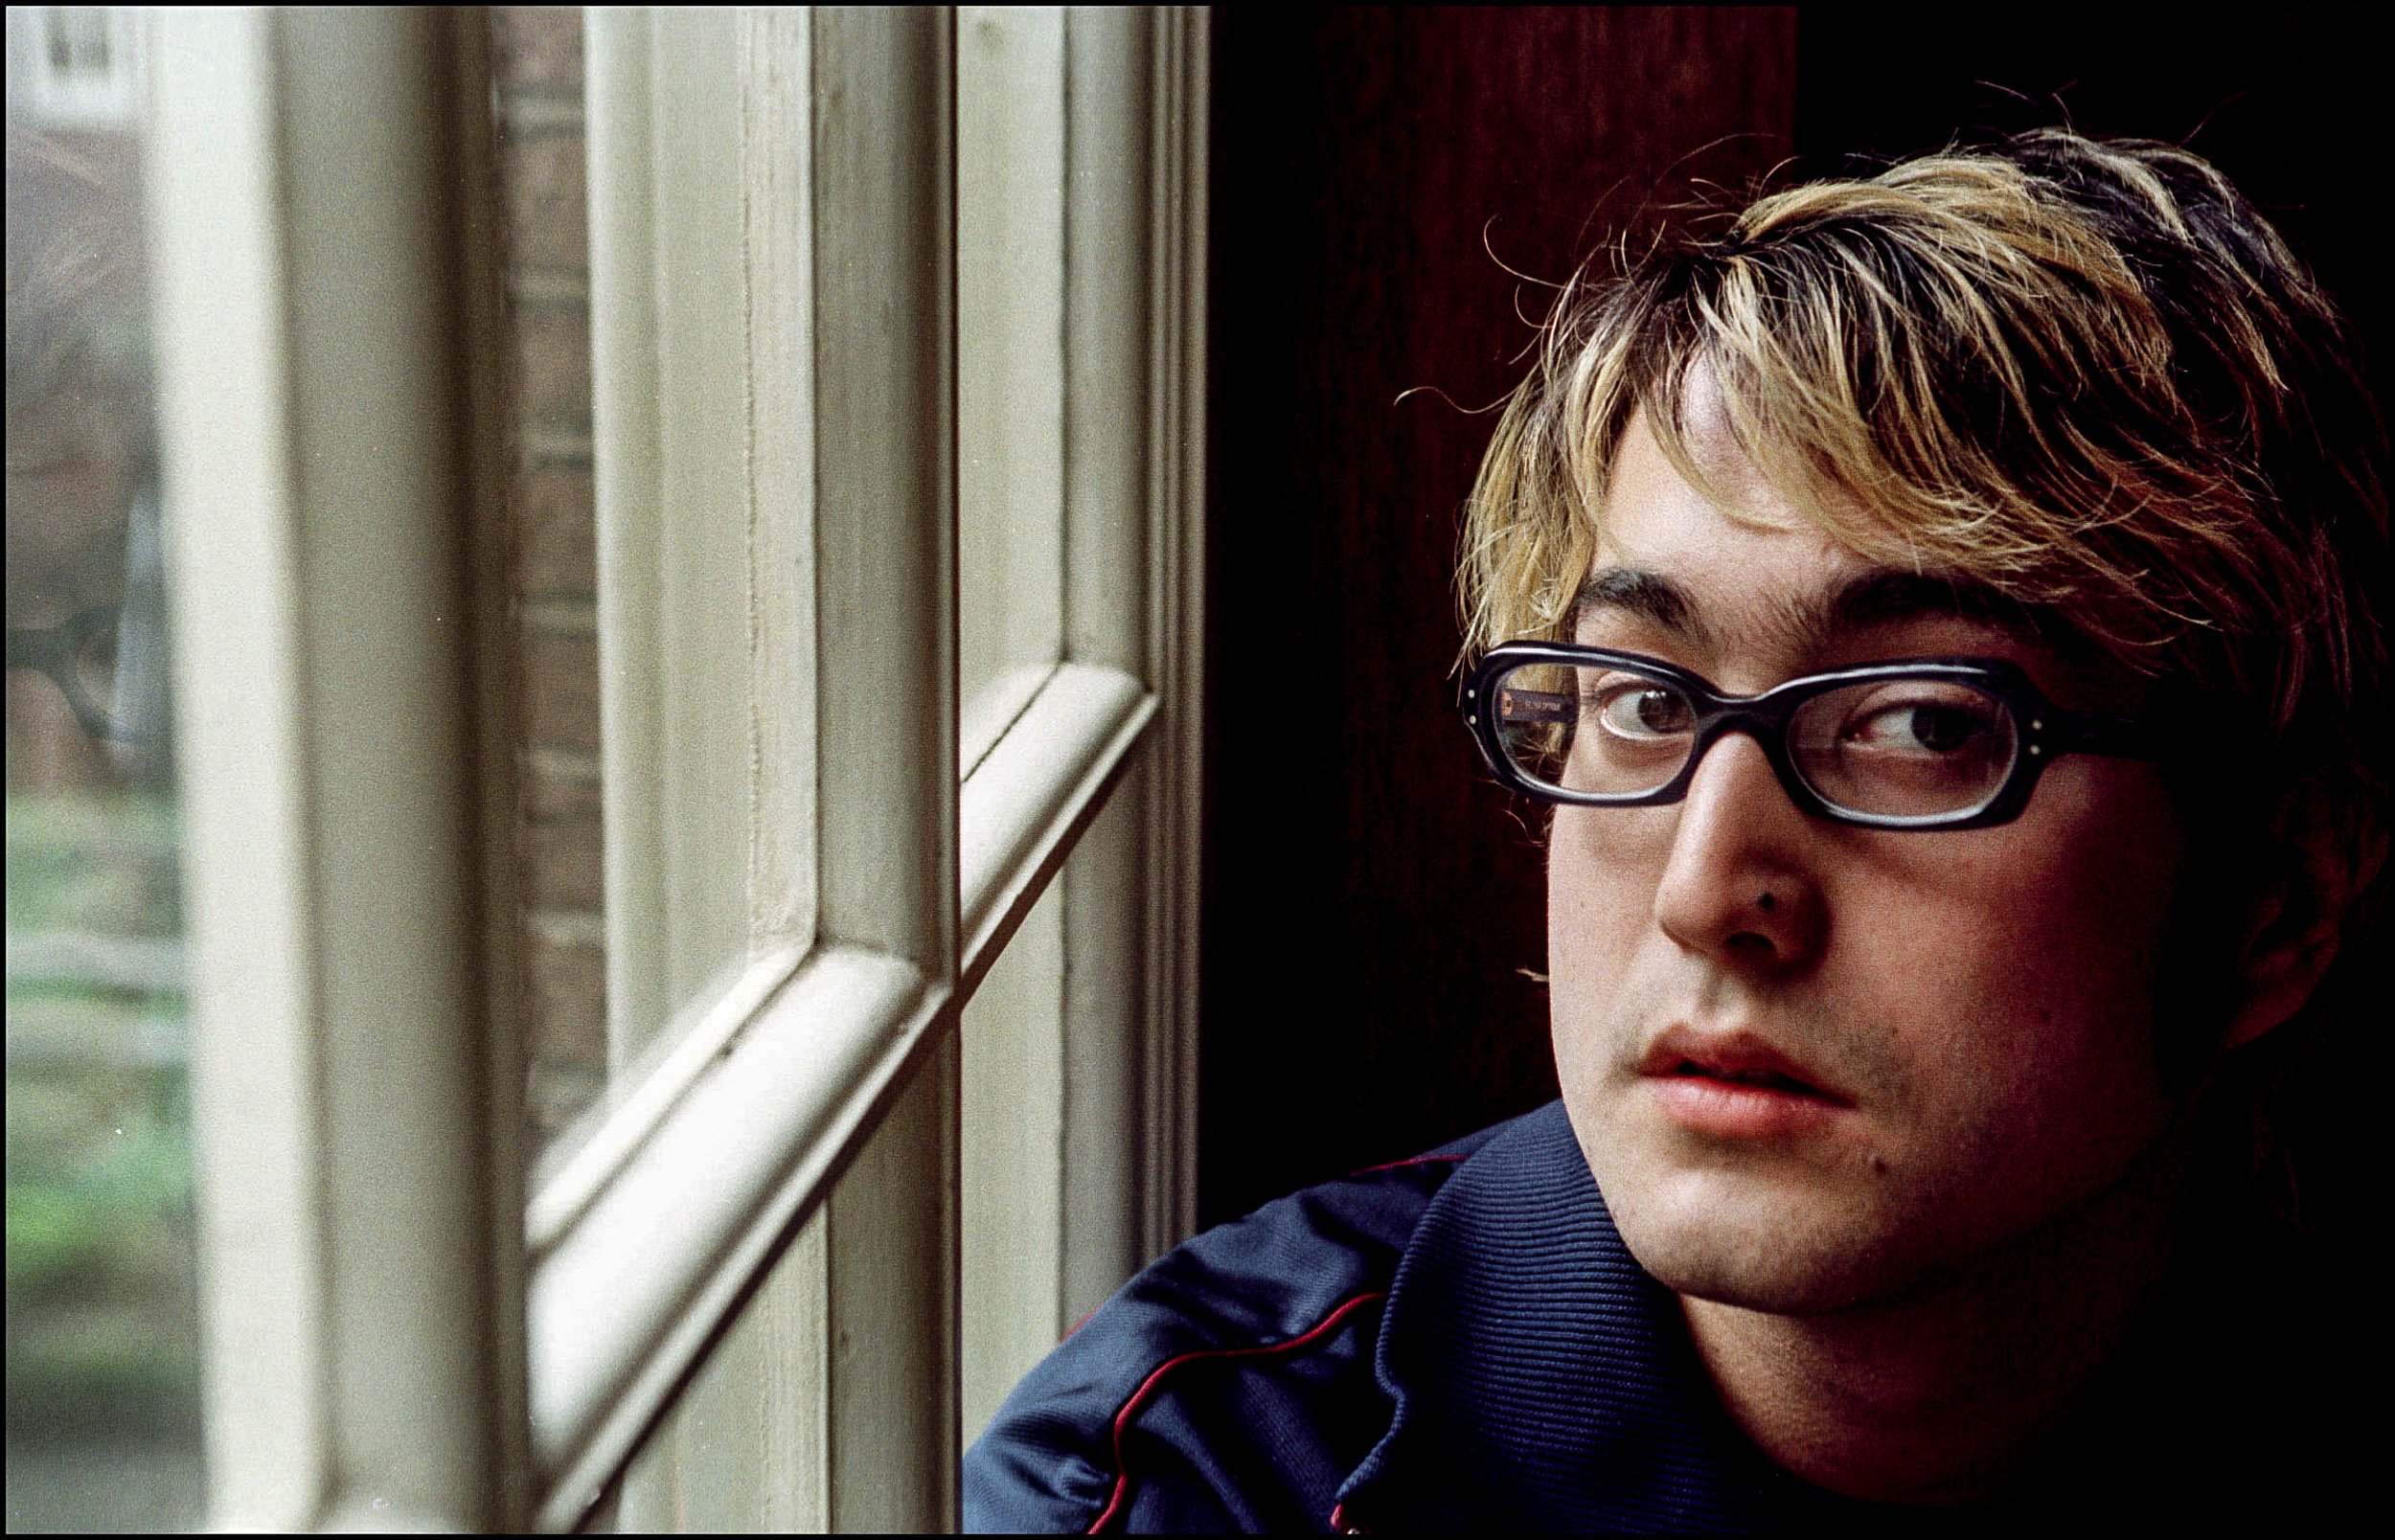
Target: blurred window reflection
[[102, 1379]]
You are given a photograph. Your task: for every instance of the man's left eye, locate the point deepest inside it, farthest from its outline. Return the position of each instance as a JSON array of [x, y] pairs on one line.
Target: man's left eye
[[1933, 728]]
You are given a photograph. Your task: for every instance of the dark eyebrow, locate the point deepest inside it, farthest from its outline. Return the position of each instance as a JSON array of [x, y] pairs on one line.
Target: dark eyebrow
[[1649, 596], [1887, 596], [1881, 596]]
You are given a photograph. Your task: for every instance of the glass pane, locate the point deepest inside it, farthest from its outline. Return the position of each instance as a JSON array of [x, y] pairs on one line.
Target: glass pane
[[104, 1411], [537, 79], [658, 300], [1010, 276]]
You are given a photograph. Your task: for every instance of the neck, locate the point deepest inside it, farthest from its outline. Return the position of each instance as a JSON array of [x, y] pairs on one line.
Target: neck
[[1938, 1397]]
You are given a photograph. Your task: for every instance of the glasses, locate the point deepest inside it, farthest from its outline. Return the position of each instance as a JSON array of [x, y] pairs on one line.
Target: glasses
[[1924, 743], [80, 658]]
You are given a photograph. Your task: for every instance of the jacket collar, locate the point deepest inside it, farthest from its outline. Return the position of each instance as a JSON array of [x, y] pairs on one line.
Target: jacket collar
[[1541, 1378]]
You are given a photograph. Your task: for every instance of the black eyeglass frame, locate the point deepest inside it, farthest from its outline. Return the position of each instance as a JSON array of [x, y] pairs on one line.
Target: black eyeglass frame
[[52, 650], [2044, 730]]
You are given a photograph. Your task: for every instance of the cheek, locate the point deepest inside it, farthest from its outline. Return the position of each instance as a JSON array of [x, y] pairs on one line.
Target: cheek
[[1600, 883], [1601, 887], [2017, 973]]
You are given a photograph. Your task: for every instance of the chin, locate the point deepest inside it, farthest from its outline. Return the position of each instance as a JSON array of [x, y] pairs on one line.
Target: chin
[[1771, 1273], [1739, 1239]]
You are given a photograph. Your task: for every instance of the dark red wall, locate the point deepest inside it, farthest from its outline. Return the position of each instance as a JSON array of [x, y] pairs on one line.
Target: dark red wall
[[2289, 100], [1371, 898]]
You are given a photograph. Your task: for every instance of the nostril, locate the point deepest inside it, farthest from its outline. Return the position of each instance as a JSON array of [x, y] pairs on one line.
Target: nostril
[[1750, 942]]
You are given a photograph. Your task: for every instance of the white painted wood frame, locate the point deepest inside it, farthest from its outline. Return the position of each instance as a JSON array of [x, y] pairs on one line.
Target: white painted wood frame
[[803, 889], [319, 286], [1074, 228]]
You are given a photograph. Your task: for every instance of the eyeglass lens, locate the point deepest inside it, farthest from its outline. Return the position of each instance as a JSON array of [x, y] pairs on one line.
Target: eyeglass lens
[[1904, 748], [92, 660]]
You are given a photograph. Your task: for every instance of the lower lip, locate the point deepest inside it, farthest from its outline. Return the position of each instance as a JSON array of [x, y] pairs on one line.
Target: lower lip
[[1734, 1109]]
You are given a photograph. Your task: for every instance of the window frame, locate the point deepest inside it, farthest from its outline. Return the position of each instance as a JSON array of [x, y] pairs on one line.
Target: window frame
[[442, 1359]]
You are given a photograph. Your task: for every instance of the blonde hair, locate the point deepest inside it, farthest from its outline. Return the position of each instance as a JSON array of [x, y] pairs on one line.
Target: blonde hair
[[2091, 377], [2086, 374]]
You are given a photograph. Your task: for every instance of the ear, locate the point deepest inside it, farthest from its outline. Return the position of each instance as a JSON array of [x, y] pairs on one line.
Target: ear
[[2290, 941]]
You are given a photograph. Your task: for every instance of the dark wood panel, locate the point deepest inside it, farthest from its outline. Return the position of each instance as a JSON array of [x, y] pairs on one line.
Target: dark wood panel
[[1372, 900], [2286, 100]]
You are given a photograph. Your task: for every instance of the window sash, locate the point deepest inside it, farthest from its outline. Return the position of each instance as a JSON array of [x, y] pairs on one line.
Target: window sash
[[373, 1360]]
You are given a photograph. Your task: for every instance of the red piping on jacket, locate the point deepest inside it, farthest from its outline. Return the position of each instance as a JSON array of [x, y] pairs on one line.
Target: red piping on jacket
[[1419, 1160], [1131, 1408]]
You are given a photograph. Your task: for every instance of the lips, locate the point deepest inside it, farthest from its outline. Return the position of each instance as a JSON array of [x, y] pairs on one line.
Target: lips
[[1772, 1079], [1736, 1058], [1736, 1085]]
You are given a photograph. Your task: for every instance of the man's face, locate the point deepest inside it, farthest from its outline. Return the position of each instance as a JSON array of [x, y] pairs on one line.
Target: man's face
[[1970, 1012]]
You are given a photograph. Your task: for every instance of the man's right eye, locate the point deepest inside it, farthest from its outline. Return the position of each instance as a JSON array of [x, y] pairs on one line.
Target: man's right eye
[[1642, 712]]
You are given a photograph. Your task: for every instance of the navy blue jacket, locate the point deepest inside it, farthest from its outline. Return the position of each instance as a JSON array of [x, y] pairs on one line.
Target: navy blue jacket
[[1462, 1341]]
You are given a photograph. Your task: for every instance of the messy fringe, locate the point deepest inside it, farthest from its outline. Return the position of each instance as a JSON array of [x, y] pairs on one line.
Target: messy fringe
[[2086, 374]]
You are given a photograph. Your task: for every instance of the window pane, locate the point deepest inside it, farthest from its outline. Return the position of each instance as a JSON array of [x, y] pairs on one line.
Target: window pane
[[634, 856], [537, 79], [104, 1420]]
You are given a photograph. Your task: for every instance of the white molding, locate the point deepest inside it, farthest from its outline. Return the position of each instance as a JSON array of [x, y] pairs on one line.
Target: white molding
[[1176, 640], [657, 1226], [1030, 798], [640, 1283], [884, 149], [1077, 1091], [777, 72], [815, 203], [240, 677], [783, 1160], [355, 1290], [654, 1234], [577, 1172]]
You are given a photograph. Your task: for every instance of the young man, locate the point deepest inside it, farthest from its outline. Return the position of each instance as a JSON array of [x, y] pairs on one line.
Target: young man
[[1940, 612]]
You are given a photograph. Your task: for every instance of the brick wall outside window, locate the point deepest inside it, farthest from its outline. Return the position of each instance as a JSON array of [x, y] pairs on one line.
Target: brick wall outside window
[[537, 80]]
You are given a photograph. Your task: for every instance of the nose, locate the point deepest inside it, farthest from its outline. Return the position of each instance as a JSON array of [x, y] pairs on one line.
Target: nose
[[1740, 884]]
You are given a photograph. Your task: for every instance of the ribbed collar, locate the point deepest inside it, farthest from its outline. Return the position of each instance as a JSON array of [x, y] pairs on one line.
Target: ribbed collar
[[1542, 1380]]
